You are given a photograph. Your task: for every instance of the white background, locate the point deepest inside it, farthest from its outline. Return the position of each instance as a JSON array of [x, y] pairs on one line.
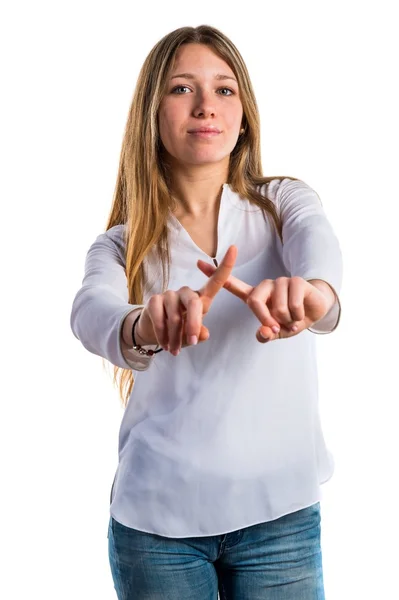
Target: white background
[[325, 77]]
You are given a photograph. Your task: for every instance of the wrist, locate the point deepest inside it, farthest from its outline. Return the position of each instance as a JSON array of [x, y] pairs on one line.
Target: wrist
[[140, 341], [326, 290], [127, 328]]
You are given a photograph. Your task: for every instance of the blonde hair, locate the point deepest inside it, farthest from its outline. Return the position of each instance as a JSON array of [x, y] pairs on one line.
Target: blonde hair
[[142, 198]]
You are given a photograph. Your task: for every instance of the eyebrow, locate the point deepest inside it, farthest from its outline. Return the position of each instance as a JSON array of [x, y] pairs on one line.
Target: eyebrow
[[218, 76]]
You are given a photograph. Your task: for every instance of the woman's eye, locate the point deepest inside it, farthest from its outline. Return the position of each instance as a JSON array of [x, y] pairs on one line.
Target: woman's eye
[[228, 89], [179, 87]]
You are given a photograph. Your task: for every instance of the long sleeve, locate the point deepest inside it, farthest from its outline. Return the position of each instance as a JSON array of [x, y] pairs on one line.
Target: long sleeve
[[101, 304], [310, 247]]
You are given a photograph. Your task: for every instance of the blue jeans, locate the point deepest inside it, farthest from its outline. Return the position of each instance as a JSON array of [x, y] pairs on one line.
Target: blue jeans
[[276, 560]]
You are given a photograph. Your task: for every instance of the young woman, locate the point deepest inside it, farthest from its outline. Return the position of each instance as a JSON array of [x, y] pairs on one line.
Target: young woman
[[209, 284]]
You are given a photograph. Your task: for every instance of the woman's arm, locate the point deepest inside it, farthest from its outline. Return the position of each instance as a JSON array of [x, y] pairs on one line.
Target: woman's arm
[[310, 247], [101, 306]]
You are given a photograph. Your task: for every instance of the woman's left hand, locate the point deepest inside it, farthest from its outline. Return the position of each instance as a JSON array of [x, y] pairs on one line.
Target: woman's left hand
[[281, 303]]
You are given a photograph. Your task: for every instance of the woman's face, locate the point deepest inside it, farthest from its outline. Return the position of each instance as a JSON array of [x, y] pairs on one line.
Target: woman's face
[[199, 100]]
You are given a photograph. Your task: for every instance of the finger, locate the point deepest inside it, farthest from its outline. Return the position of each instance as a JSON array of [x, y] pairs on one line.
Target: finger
[[156, 313], [174, 317], [265, 334], [206, 268], [233, 284], [287, 304], [266, 337], [257, 302], [202, 337], [204, 334], [296, 298], [221, 274], [192, 304], [279, 301]]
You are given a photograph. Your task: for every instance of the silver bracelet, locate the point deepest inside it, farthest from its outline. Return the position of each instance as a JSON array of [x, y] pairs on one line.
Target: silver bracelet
[[139, 348]]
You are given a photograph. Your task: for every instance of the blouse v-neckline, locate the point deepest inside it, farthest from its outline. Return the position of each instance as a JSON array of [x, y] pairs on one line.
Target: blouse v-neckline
[[189, 242]]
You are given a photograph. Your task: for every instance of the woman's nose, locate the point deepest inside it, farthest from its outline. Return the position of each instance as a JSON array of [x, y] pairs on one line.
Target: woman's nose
[[204, 102]]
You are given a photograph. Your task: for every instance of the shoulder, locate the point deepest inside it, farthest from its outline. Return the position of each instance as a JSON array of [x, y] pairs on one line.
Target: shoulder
[[116, 234], [278, 185], [284, 189], [113, 241]]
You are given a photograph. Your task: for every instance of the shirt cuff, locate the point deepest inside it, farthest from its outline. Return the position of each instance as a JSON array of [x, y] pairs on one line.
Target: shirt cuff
[[329, 322]]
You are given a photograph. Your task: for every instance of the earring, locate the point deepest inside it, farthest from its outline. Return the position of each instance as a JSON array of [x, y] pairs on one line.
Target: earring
[[242, 130]]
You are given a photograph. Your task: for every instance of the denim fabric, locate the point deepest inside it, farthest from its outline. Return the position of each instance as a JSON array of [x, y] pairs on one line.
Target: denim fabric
[[276, 560]]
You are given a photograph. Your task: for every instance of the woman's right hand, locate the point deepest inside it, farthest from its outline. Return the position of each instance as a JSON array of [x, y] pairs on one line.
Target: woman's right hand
[[174, 319]]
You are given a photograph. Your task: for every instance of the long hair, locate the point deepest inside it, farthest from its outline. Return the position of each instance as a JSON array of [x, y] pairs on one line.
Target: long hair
[[142, 198]]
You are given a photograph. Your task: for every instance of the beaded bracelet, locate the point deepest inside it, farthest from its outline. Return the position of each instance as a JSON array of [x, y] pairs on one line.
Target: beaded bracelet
[[140, 349]]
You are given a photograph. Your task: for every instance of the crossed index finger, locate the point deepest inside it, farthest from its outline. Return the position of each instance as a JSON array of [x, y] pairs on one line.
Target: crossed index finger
[[221, 275], [233, 284]]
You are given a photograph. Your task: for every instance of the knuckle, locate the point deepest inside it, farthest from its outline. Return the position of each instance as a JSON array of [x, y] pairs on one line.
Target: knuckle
[[169, 294], [218, 279], [174, 319], [296, 278], [194, 301], [252, 301], [280, 310], [153, 301], [296, 306]]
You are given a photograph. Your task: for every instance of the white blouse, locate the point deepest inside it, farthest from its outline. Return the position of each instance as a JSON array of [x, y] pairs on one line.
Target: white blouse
[[227, 434]]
